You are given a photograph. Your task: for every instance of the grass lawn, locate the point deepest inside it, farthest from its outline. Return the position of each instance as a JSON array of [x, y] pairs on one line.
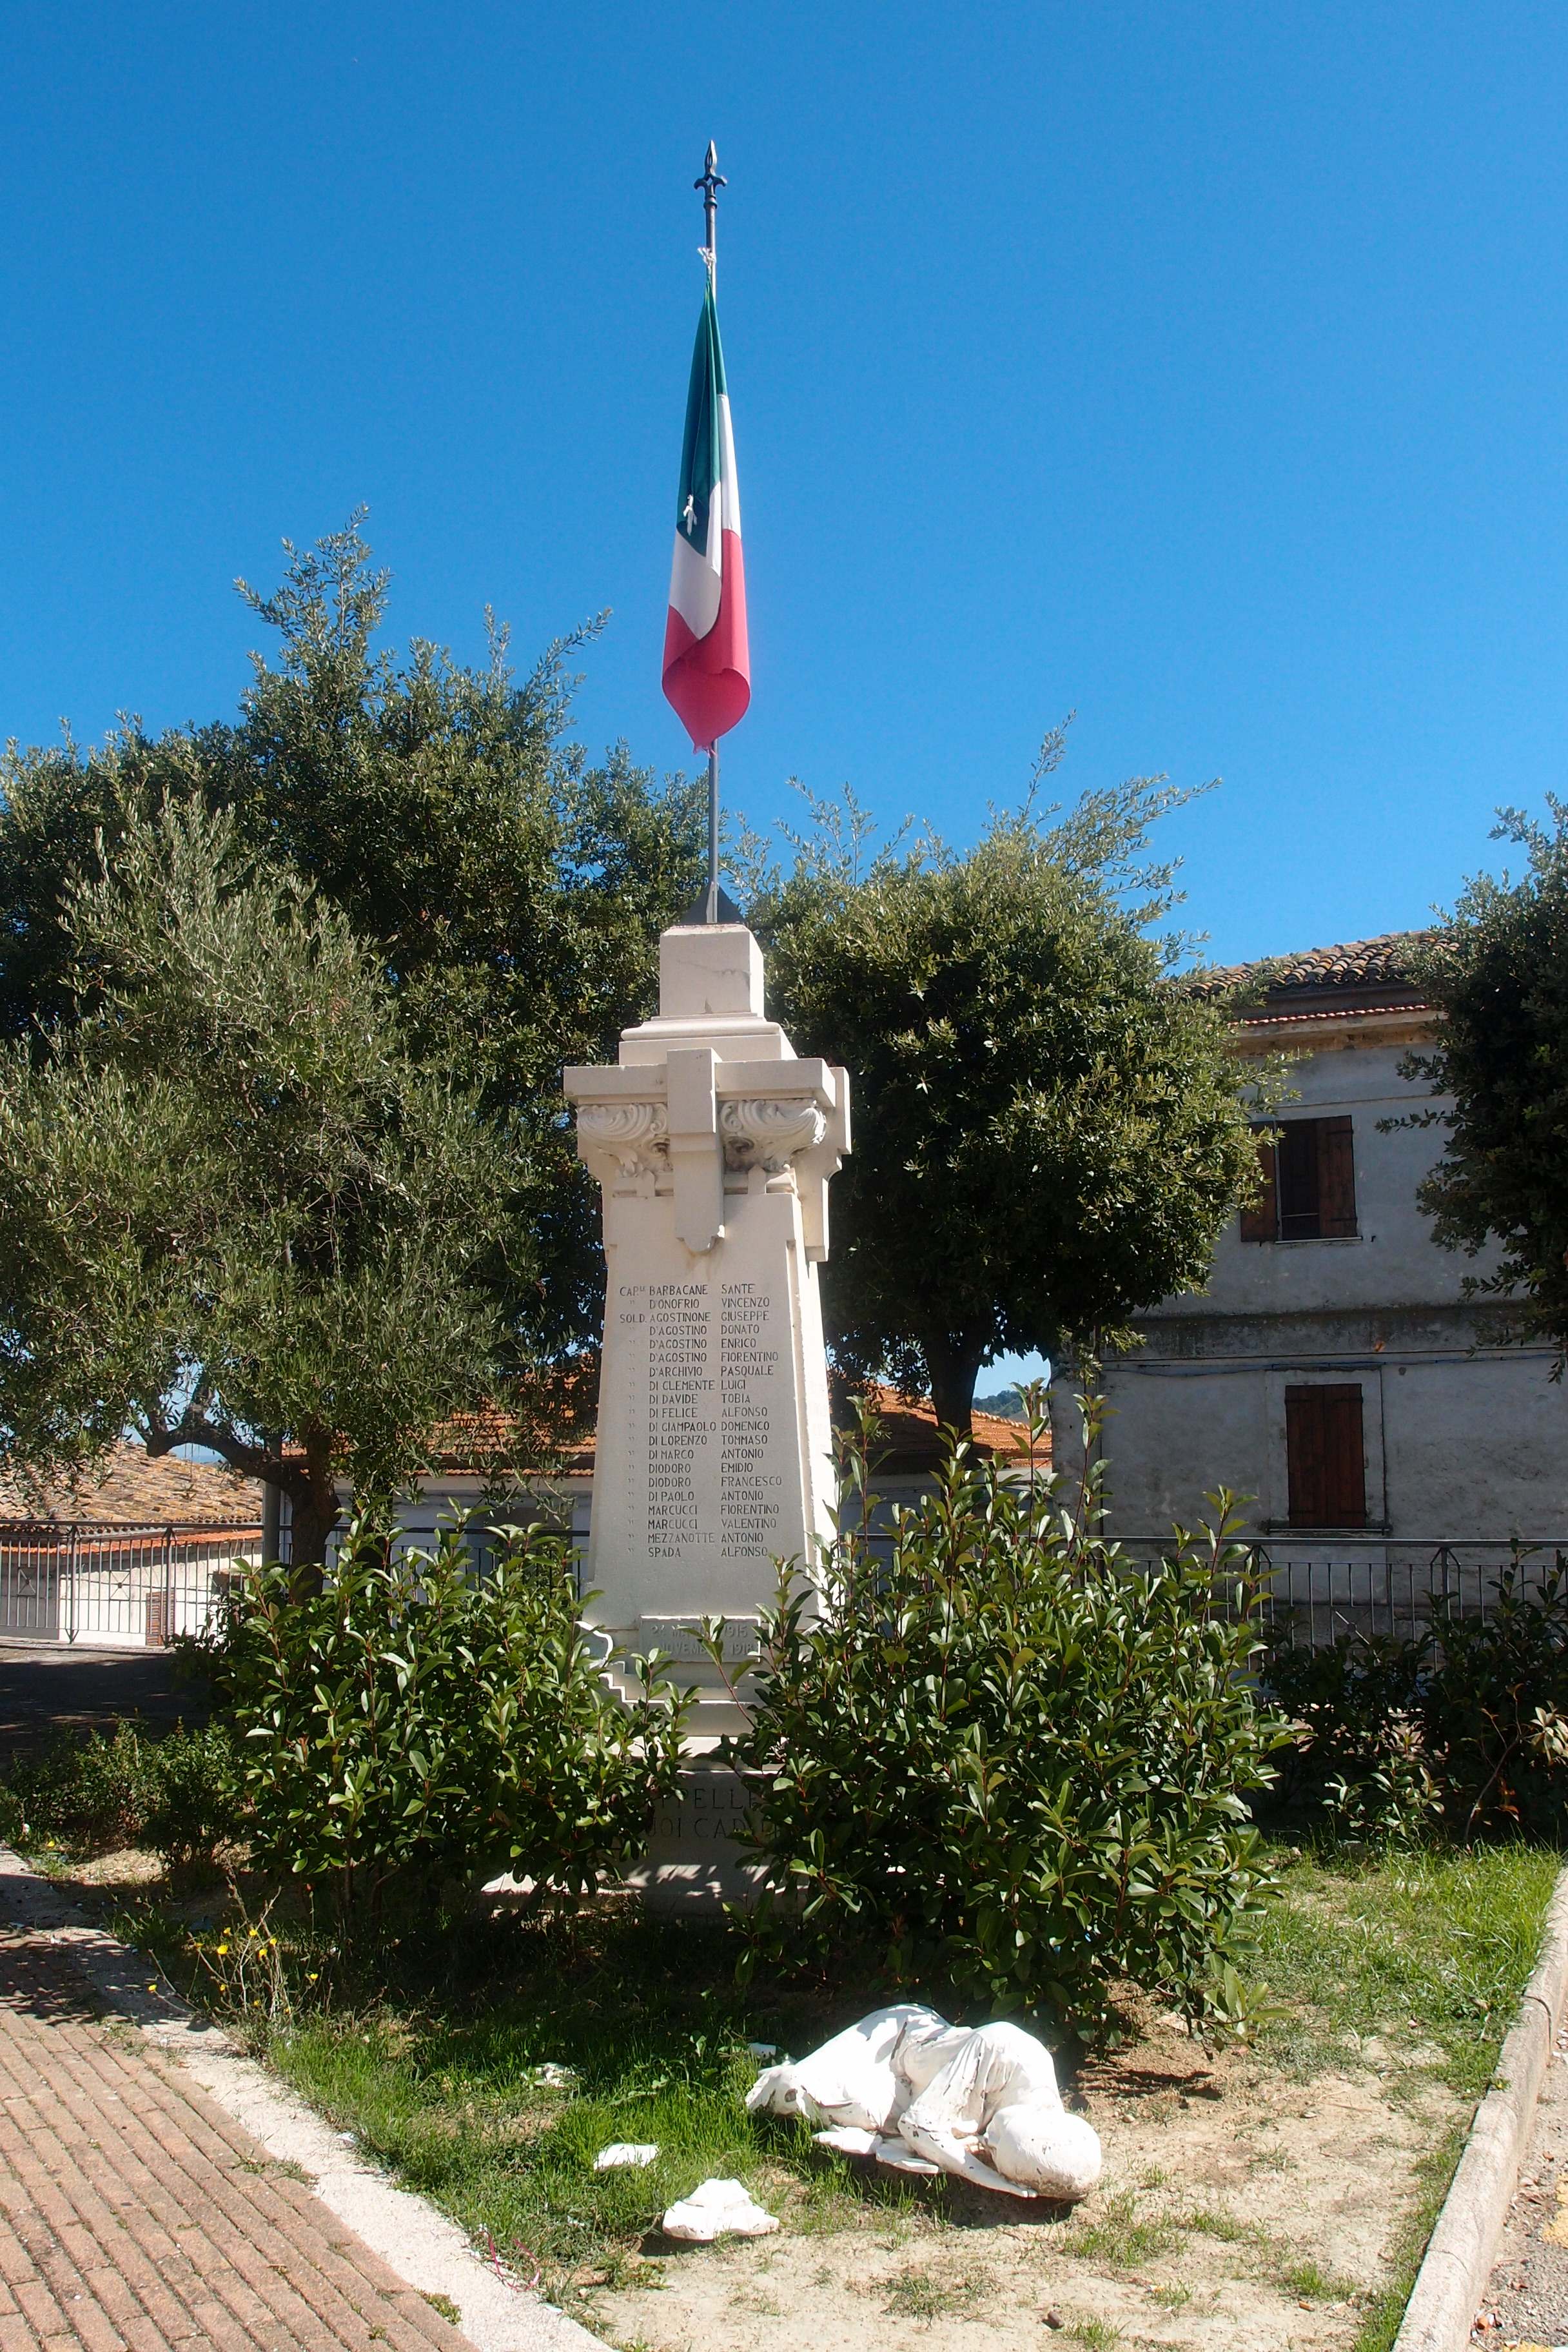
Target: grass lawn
[[488, 2072], [1435, 1942], [1429, 1943], [460, 2089]]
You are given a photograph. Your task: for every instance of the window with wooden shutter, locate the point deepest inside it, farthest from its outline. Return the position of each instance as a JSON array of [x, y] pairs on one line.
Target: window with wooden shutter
[[1310, 1184], [1298, 1193], [1260, 1223], [1336, 1179], [1325, 1456]]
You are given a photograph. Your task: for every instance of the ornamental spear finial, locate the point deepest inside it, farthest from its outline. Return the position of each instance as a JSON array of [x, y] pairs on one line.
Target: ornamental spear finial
[[711, 183]]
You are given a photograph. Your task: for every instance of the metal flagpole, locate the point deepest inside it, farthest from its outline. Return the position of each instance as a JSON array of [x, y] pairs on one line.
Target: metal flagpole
[[711, 183]]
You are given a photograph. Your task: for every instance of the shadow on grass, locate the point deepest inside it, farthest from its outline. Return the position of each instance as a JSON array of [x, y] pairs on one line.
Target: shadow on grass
[[486, 2060]]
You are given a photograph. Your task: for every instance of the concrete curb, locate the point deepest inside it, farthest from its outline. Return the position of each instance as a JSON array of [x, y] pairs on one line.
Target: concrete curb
[[415, 2240], [1452, 2280]]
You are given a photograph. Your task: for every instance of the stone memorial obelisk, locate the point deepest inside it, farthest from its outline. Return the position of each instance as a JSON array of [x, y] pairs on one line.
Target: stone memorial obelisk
[[714, 1145]]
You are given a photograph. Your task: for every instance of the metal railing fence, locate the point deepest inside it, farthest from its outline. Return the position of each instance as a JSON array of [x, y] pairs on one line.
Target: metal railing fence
[[142, 1584], [127, 1585], [1379, 1586]]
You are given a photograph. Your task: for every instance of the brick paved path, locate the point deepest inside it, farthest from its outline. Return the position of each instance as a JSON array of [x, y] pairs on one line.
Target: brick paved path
[[134, 2213]]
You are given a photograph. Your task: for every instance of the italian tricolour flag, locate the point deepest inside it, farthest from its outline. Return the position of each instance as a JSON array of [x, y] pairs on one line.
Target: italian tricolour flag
[[707, 664]]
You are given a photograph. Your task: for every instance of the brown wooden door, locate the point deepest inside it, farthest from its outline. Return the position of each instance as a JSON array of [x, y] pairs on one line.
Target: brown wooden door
[[1325, 1455]]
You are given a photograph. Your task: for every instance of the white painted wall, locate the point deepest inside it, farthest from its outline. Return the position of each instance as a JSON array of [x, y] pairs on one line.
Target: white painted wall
[[446, 1497], [1395, 1261], [1464, 1439]]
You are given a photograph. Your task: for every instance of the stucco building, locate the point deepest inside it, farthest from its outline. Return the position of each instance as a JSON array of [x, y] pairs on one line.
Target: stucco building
[[1334, 1370]]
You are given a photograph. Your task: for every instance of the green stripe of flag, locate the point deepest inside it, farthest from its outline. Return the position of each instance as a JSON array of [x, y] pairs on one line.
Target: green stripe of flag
[[701, 444]]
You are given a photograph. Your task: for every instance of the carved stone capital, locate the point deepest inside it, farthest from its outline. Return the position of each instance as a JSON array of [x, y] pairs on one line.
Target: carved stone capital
[[636, 1134], [769, 1132]]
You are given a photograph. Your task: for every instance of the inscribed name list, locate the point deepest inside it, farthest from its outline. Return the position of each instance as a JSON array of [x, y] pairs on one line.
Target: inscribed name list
[[713, 1417]]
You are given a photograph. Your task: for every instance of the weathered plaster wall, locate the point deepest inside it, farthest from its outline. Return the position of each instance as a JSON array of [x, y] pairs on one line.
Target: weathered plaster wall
[[1394, 1262], [1465, 1437], [1469, 1448]]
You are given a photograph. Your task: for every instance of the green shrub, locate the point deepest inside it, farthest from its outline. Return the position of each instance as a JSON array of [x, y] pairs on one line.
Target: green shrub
[[94, 1794], [412, 1724], [89, 1795], [1340, 1696], [1359, 1751], [1470, 1717], [997, 1753], [196, 1807], [1496, 1703]]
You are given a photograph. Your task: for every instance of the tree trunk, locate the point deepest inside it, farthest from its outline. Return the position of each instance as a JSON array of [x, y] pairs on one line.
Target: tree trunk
[[308, 1483], [952, 1359], [315, 1516], [271, 1520]]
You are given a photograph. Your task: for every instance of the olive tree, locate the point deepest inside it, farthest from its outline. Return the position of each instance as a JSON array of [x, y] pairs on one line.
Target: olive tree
[[405, 834], [234, 1208], [511, 893]]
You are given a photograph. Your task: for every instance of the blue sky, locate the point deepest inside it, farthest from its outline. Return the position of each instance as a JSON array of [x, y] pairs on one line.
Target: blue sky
[[1197, 368]]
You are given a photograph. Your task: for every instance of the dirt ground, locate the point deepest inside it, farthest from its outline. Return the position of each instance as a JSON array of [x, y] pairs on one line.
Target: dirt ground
[[1239, 2209]]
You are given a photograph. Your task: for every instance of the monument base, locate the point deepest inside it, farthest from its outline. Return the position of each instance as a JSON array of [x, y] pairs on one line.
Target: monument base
[[691, 1862]]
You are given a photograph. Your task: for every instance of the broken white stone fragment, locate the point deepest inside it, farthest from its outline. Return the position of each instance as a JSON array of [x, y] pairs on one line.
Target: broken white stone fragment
[[921, 2094], [862, 2076], [718, 2209], [849, 2139], [625, 2151], [900, 2156]]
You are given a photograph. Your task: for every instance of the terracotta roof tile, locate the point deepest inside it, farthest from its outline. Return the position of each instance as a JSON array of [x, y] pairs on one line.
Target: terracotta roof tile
[[911, 1439], [132, 1489], [1357, 976]]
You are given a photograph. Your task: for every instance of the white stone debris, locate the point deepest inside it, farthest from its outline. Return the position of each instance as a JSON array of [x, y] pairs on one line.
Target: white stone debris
[[922, 2096], [849, 2139], [626, 2151], [718, 2209]]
